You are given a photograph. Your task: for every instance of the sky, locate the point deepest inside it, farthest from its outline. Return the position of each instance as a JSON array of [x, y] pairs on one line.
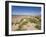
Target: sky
[[26, 10]]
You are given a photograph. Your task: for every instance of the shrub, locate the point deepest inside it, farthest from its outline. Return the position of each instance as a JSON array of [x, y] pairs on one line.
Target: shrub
[[38, 27]]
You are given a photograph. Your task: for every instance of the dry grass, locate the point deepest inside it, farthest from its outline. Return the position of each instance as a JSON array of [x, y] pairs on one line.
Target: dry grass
[[20, 23]]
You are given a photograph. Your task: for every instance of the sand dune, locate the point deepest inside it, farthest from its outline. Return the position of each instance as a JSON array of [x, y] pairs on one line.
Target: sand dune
[[20, 23]]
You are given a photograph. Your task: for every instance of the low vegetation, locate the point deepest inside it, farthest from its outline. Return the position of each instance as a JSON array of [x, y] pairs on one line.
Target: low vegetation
[[24, 21]]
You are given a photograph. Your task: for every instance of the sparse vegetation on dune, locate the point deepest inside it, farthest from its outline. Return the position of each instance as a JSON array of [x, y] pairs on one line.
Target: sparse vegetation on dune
[[23, 23]]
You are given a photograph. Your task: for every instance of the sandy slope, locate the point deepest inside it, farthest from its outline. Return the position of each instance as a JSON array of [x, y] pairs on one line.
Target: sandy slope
[[28, 26]]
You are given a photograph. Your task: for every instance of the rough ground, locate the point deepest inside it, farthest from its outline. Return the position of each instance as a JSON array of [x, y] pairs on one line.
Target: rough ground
[[28, 26]]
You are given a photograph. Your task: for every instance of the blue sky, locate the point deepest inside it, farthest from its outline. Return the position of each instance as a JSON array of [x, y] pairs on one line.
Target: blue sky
[[26, 10]]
